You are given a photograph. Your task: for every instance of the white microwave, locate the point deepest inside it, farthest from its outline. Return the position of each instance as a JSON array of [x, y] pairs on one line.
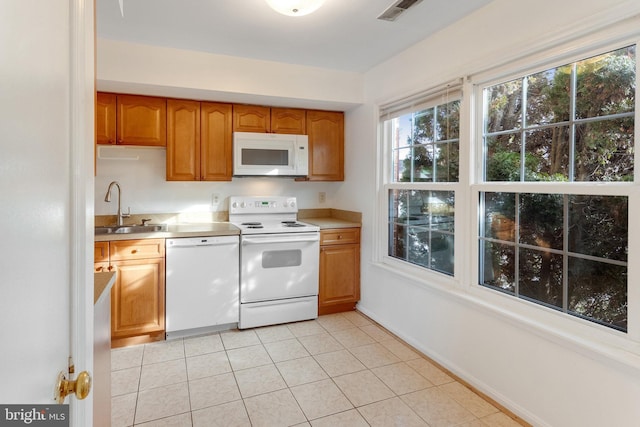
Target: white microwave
[[270, 154]]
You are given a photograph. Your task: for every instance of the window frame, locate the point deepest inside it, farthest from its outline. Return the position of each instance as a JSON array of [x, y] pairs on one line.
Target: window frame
[[427, 99], [519, 69]]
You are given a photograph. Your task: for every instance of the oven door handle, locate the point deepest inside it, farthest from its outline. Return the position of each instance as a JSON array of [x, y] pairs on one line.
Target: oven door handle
[[259, 240]]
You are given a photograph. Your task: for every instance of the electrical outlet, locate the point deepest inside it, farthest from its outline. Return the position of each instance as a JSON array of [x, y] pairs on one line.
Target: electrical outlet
[[215, 200], [322, 197]]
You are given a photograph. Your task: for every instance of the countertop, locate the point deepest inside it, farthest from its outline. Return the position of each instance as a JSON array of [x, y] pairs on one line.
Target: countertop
[[331, 222], [102, 283], [177, 230]]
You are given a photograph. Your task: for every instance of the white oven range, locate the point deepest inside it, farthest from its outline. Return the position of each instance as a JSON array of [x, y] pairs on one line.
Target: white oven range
[[279, 261]]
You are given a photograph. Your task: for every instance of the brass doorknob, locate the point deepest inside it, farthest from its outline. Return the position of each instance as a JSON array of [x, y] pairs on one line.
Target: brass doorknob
[[80, 387]]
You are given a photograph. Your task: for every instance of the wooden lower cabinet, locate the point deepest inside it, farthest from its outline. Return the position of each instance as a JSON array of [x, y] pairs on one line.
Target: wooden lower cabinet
[[138, 294], [339, 270], [137, 300]]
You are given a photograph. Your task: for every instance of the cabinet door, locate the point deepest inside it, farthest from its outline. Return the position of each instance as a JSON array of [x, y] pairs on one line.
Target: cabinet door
[[137, 298], [142, 120], [288, 120], [339, 278], [216, 141], [326, 145], [105, 118], [251, 118], [183, 140]]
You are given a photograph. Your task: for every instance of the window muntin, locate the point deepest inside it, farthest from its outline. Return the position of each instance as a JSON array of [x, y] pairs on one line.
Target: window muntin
[[570, 123], [424, 148]]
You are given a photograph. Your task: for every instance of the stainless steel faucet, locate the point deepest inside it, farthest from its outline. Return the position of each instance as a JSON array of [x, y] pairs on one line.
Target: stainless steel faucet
[[107, 198]]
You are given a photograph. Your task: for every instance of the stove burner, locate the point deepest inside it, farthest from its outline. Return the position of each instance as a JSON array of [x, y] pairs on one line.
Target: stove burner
[[251, 223], [288, 222], [292, 224], [255, 226]]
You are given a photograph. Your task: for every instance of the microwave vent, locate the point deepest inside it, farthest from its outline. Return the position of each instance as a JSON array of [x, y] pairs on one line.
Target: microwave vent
[[396, 9]]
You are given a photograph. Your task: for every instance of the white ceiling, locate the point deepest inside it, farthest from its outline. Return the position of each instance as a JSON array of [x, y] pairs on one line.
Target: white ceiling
[[342, 34]]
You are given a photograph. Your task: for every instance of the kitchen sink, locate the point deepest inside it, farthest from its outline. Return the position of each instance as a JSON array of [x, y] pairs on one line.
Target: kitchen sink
[[128, 229]]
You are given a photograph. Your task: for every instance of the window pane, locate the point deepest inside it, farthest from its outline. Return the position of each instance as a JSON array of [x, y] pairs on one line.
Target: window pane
[[448, 121], [541, 220], [442, 252], [402, 131], [398, 241], [498, 267], [440, 207], [502, 158], [541, 276], [500, 216], [598, 291], [504, 106], [606, 84], [547, 154], [604, 150], [548, 96], [418, 246], [423, 129], [402, 165], [423, 163], [598, 226]]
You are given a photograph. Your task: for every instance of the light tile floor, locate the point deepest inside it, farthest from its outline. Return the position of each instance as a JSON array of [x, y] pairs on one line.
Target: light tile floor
[[339, 370]]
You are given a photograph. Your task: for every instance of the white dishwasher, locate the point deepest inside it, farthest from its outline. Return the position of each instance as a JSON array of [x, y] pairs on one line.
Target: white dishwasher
[[202, 285]]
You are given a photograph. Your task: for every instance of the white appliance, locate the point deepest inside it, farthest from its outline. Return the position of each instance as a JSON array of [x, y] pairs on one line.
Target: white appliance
[[270, 154], [279, 261], [202, 284]]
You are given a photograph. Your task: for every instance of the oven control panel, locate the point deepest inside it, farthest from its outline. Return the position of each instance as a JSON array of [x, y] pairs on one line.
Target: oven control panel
[[266, 205]]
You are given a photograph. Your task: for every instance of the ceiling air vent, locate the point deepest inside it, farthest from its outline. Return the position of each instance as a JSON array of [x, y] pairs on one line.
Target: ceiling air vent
[[396, 9]]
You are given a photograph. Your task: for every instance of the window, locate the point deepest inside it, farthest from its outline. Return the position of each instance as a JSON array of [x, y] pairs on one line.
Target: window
[[422, 145], [565, 245]]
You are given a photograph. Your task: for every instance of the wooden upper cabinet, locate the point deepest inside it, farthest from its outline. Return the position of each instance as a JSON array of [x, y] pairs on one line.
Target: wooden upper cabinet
[[251, 118], [183, 140], [141, 120], [199, 141], [105, 118], [326, 145], [288, 120], [216, 141]]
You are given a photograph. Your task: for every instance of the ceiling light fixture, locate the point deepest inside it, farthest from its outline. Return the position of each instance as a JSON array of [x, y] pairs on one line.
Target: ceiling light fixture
[[295, 7]]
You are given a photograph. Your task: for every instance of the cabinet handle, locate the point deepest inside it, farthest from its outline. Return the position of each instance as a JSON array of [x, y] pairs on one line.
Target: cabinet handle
[[120, 141], [133, 251], [339, 236]]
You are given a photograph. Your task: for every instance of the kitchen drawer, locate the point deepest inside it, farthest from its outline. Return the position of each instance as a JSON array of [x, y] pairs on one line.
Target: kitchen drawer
[[101, 252], [136, 249], [339, 236]]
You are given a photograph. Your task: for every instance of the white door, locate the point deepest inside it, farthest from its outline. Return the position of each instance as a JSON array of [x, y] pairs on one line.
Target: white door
[[46, 197]]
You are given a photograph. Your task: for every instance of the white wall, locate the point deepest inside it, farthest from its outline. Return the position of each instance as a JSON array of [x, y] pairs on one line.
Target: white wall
[[527, 358]]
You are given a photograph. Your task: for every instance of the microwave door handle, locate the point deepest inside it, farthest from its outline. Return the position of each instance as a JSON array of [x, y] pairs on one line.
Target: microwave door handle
[[254, 240]]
